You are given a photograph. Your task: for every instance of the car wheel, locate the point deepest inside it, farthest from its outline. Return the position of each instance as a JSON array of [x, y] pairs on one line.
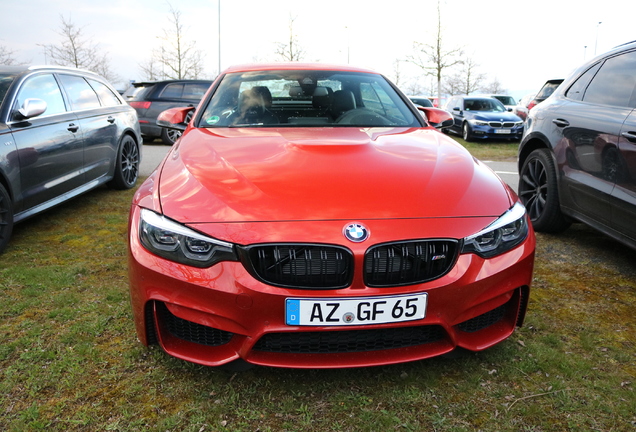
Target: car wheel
[[539, 192], [169, 136], [127, 164], [6, 218], [467, 134]]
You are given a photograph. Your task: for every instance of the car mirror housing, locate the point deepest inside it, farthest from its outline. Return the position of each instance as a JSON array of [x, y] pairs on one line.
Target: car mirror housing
[[436, 117], [175, 118], [32, 107]]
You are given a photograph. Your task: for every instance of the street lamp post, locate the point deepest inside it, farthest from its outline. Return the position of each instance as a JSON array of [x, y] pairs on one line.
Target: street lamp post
[[596, 43]]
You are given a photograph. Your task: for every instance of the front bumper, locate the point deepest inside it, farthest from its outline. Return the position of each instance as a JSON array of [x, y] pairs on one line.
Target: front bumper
[[215, 315], [488, 132]]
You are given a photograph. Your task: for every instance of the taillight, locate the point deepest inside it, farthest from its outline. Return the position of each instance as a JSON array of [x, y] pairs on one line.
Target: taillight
[[531, 105], [141, 105]]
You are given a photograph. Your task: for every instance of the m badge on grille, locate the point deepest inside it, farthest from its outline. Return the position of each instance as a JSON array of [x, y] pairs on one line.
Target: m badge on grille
[[356, 232]]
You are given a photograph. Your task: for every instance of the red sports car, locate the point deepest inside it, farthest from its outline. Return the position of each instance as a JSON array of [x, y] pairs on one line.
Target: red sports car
[[310, 216]]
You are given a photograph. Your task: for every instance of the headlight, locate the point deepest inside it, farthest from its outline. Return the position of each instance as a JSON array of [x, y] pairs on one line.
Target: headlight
[[176, 242], [502, 235], [478, 122], [519, 123]]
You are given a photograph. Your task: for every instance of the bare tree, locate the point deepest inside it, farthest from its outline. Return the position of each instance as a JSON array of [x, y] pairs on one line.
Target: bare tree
[[76, 50], [433, 59], [177, 58], [292, 50], [7, 56], [494, 86], [466, 81]]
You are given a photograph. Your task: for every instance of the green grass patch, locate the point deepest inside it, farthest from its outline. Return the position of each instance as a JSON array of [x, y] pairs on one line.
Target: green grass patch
[[490, 150], [69, 358]]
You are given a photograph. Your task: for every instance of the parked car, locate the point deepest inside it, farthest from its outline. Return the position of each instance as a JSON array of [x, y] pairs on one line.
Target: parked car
[[263, 237], [64, 131], [548, 88], [510, 103], [522, 107], [151, 98], [421, 101], [576, 160], [482, 118]]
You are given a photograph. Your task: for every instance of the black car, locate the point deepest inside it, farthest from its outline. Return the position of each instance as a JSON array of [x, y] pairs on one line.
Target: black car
[[63, 132], [546, 90], [577, 159], [153, 97], [421, 101]]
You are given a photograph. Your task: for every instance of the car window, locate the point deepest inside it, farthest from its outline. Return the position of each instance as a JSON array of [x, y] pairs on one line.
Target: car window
[[172, 91], [136, 91], [45, 87], [577, 90], [306, 98], [506, 100], [5, 83], [106, 96], [81, 94], [194, 90], [614, 83]]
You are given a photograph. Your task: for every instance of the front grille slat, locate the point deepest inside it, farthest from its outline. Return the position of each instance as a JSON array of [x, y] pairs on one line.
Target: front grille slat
[[304, 266], [347, 341], [407, 263]]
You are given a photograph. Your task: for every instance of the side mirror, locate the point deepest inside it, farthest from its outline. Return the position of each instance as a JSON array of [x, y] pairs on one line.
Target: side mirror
[[436, 117], [31, 108], [175, 118]]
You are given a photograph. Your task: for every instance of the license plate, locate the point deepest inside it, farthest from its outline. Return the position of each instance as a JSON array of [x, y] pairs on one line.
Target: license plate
[[355, 311], [502, 131]]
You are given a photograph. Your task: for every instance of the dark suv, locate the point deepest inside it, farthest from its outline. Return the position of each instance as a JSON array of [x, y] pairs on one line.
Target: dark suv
[[577, 159], [153, 97], [63, 132]]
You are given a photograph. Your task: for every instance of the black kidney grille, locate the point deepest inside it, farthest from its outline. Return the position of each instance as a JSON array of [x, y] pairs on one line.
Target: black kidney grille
[[190, 331], [406, 263], [302, 265], [347, 341]]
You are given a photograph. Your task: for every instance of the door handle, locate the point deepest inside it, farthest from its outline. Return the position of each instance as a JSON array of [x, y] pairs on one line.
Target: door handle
[[561, 122], [73, 127], [111, 119], [631, 136]]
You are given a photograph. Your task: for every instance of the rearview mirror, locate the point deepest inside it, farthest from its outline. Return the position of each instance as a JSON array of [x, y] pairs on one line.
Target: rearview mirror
[[175, 118], [436, 117], [32, 107]]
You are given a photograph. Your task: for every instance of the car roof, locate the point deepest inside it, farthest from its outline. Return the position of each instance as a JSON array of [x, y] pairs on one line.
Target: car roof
[[148, 83], [255, 67], [17, 69]]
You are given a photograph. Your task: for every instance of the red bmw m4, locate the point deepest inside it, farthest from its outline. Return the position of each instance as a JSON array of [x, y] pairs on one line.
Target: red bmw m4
[[310, 216]]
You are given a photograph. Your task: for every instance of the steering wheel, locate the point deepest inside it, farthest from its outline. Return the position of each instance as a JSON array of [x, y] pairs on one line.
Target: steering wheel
[[363, 117]]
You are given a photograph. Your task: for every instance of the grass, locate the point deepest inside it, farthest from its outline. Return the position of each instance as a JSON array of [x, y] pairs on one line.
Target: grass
[[69, 358]]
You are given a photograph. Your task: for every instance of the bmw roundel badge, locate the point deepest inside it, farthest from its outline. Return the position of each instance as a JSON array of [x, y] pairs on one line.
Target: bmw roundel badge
[[356, 232]]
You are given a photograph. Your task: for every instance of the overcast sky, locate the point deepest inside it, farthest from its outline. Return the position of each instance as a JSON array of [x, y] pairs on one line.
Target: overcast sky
[[520, 43]]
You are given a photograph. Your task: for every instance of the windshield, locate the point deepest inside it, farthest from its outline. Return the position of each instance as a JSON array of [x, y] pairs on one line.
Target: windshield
[[304, 98], [484, 105], [5, 83], [506, 100]]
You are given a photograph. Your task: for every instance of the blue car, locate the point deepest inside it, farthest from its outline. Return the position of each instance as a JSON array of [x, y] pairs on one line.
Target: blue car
[[482, 118]]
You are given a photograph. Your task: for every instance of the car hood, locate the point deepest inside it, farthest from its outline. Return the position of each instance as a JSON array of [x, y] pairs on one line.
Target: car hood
[[492, 116], [299, 174]]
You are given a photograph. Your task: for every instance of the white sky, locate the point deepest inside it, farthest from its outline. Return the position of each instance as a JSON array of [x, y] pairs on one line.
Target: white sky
[[520, 43]]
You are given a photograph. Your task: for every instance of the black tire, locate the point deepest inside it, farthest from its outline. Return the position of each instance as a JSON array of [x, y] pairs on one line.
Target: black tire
[[467, 134], [538, 190], [127, 164], [6, 218]]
